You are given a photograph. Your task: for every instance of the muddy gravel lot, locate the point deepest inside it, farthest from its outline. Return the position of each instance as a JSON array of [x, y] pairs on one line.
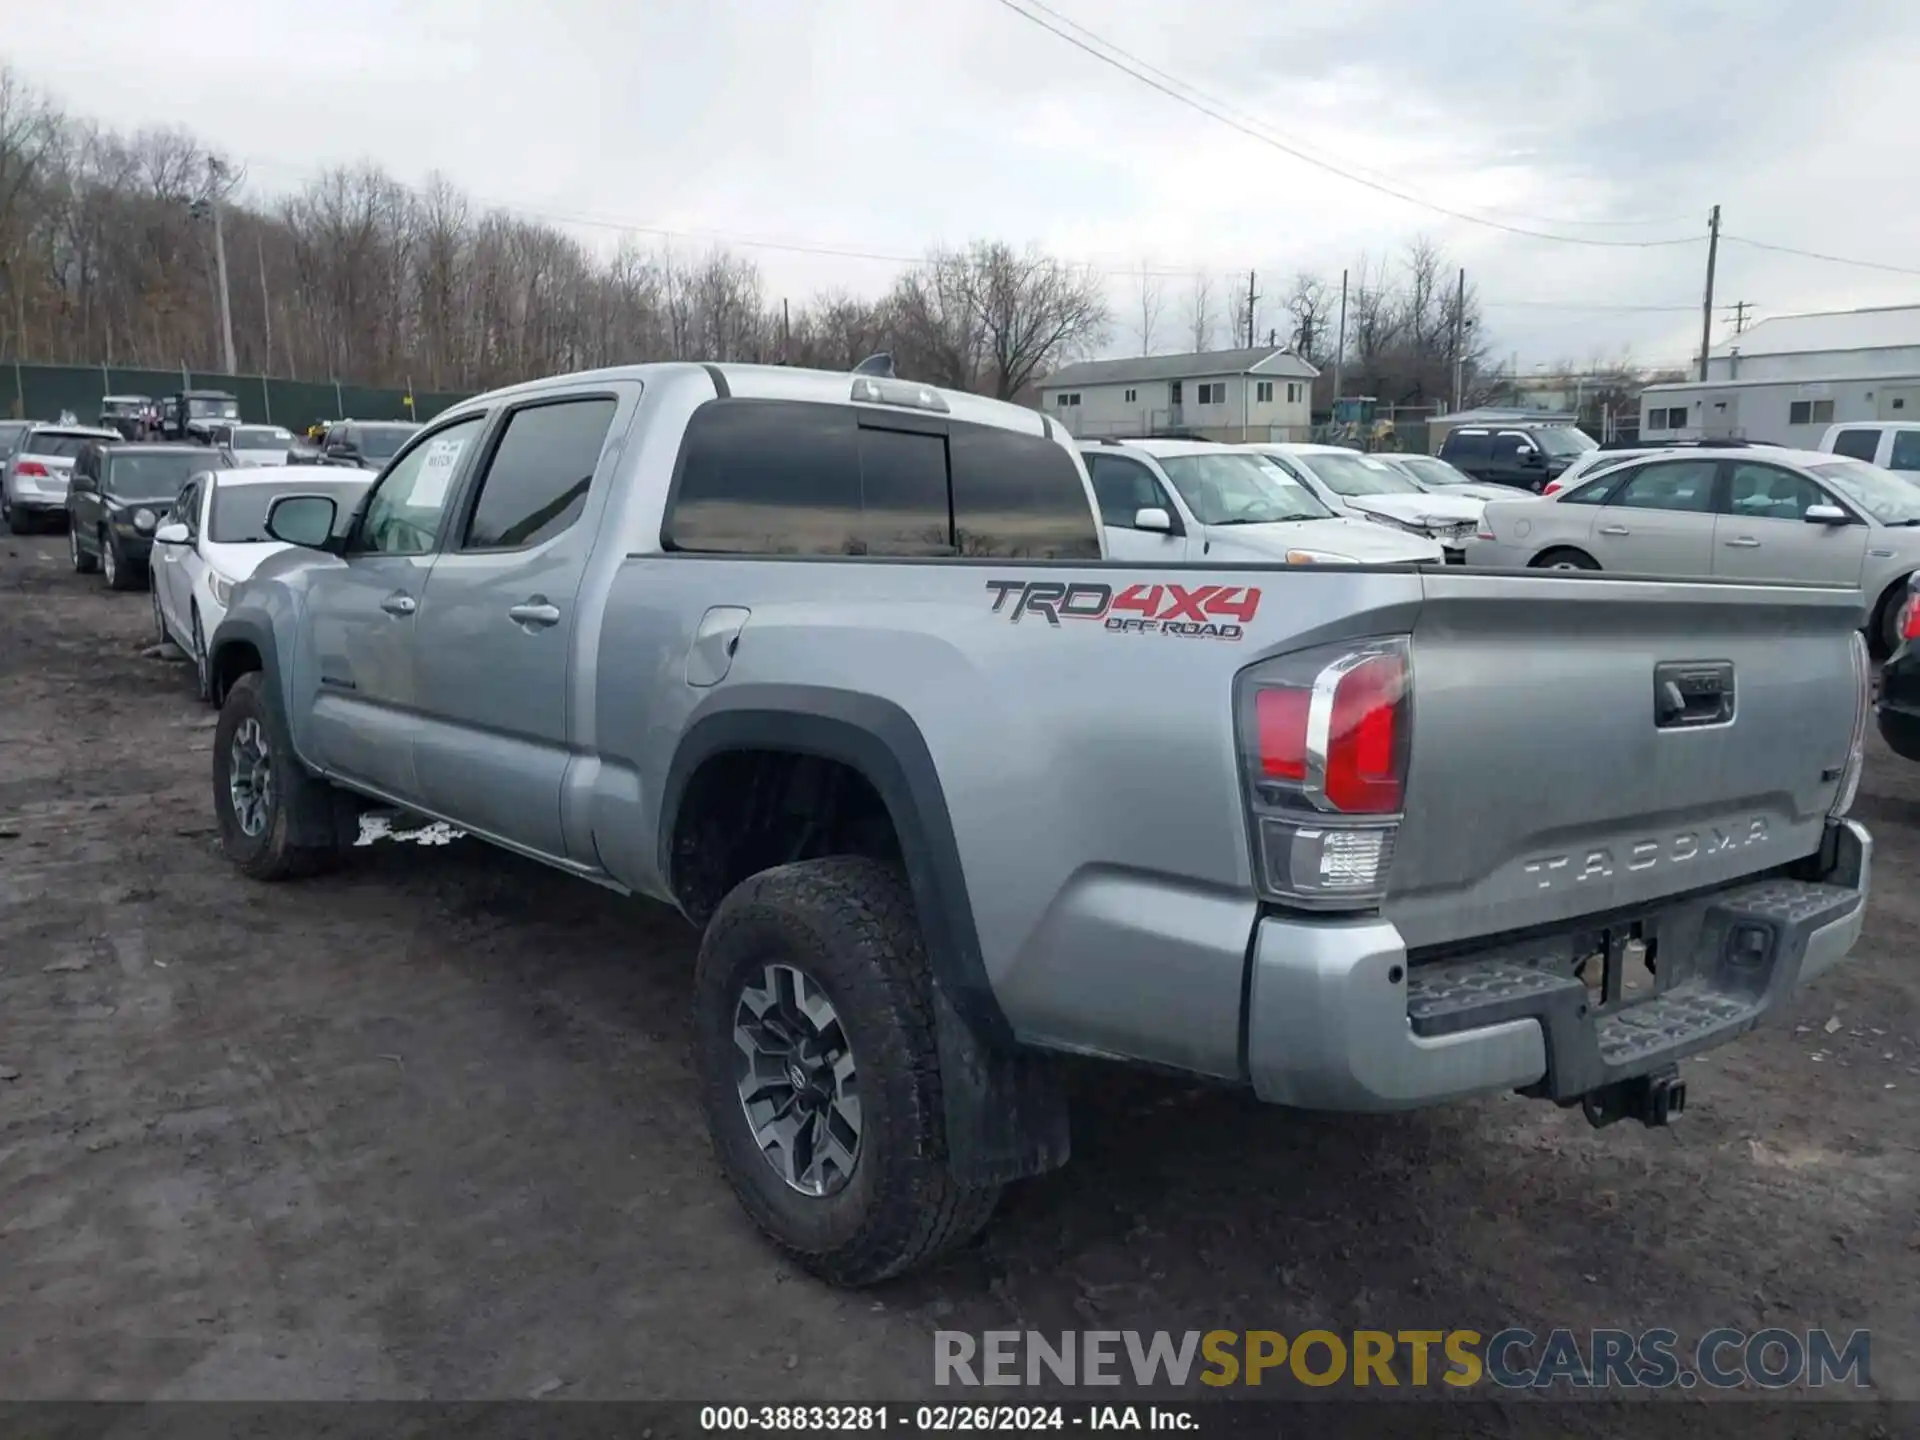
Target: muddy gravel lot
[[427, 1128]]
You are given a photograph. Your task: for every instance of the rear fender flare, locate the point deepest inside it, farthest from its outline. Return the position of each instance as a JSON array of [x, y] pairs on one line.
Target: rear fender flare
[[1005, 1110]]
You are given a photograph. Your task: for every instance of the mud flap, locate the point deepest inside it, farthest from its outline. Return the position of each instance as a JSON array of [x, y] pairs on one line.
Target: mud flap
[[1006, 1111]]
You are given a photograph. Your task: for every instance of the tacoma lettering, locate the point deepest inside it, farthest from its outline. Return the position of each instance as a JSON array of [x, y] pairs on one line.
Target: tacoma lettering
[[1600, 863]]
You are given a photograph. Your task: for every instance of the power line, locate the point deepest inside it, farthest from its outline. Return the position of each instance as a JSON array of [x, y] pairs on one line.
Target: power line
[[1219, 113], [1817, 255], [1384, 179]]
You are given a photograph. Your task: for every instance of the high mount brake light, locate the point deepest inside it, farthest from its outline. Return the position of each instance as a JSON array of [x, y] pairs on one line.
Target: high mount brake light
[[1325, 736]]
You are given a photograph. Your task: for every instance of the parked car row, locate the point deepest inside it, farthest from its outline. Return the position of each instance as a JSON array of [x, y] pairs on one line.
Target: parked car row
[[934, 722], [1726, 512]]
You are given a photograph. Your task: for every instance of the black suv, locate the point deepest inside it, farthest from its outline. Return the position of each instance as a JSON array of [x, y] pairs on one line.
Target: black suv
[[117, 497], [1523, 456], [368, 444]]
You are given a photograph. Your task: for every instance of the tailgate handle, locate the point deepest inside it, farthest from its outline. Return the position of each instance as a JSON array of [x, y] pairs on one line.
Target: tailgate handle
[[1691, 693]]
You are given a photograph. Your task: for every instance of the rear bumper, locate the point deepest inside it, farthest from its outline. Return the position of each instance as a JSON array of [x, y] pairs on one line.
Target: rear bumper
[[1337, 1019]]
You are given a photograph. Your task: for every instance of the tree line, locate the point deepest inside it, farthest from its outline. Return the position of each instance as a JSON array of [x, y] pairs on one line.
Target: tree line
[[107, 256]]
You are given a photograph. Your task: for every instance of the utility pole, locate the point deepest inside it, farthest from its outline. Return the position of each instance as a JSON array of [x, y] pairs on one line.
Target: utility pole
[[1706, 308], [1340, 349], [1251, 297], [1739, 309], [266, 303], [786, 334], [1459, 318], [209, 206]]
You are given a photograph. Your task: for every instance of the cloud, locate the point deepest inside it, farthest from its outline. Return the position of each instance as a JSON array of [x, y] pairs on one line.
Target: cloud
[[884, 128]]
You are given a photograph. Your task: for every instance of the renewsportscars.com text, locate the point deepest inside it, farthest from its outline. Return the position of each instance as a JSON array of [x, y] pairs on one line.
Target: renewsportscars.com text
[[1508, 1359]]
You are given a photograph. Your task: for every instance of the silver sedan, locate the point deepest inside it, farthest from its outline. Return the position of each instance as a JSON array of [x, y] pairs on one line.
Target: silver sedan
[[1732, 513]]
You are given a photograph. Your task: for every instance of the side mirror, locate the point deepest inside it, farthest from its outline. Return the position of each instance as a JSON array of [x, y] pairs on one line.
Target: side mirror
[[1531, 457], [1153, 518], [171, 533], [1824, 515], [304, 520]]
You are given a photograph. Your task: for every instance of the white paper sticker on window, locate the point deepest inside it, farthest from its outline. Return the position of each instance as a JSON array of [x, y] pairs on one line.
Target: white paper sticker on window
[[436, 471]]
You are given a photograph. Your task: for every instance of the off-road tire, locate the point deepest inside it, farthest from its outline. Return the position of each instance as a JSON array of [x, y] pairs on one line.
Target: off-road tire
[[297, 795], [83, 563], [849, 924]]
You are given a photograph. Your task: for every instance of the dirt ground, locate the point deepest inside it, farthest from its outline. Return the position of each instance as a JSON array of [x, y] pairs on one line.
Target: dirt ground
[[426, 1128]]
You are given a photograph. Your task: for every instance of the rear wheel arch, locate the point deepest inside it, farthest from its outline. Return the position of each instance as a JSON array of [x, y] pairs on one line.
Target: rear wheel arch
[[1005, 1111], [1568, 557], [880, 743]]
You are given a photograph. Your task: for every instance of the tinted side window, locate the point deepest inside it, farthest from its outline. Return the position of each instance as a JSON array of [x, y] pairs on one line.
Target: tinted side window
[[1669, 485], [766, 477], [1123, 488], [536, 484], [1860, 444], [1019, 496], [1464, 449], [1906, 450], [1505, 449]]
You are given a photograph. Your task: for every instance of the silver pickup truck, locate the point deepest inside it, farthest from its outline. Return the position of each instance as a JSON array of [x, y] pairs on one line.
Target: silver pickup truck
[[834, 664]]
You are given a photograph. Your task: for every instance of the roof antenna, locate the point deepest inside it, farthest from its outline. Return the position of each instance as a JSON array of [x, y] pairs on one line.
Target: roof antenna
[[880, 364]]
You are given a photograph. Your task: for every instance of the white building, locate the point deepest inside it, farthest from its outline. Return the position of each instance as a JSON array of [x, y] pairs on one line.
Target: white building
[[1233, 395], [1787, 379]]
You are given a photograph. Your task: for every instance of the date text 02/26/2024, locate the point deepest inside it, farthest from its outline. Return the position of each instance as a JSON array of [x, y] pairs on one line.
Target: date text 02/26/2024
[[941, 1419]]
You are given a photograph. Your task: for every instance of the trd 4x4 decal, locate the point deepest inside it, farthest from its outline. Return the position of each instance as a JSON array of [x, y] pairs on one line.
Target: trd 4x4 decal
[[1207, 612]]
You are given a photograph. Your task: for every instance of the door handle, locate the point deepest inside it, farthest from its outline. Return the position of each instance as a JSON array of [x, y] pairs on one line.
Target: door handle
[[535, 611], [1744, 542], [1615, 530], [399, 603]]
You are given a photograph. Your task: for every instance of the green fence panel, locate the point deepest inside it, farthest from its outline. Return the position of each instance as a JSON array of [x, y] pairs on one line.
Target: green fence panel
[[41, 392]]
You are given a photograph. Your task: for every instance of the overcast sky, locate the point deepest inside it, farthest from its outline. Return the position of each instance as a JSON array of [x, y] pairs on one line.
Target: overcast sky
[[885, 127]]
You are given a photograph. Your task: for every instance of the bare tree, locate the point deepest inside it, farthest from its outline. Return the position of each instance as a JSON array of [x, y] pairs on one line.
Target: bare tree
[[1150, 300], [1201, 317], [1033, 311], [1309, 304]]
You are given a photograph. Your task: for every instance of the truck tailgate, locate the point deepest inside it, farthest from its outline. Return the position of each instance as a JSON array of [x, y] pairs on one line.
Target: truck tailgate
[[1552, 776]]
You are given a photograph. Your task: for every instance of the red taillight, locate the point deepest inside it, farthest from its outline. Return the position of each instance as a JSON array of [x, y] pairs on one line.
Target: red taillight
[[1552, 487], [1363, 759], [1281, 715], [31, 467], [1910, 618], [1325, 734], [1336, 727]]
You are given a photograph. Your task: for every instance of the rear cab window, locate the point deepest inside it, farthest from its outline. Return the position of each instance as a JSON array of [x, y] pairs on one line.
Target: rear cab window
[[790, 477]]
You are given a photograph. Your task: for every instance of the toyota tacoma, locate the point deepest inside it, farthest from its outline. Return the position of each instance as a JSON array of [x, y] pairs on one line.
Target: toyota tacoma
[[836, 665]]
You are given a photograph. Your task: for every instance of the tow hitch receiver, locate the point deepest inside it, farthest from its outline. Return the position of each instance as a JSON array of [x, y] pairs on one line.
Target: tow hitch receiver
[[1653, 1100]]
